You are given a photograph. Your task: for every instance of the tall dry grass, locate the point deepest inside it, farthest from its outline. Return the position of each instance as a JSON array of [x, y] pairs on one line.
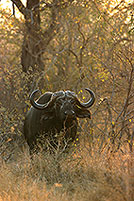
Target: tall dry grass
[[76, 176]]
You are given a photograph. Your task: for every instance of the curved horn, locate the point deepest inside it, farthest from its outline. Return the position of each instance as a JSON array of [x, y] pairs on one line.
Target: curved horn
[[37, 105], [91, 100]]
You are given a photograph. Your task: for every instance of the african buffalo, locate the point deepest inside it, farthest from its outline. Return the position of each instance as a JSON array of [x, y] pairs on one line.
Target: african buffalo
[[51, 122]]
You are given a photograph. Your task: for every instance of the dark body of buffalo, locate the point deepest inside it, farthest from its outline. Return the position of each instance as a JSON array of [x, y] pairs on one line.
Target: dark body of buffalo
[[52, 120]]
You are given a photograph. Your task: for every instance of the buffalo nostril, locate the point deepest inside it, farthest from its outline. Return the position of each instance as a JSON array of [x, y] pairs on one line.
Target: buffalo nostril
[[65, 112], [72, 112], [69, 113]]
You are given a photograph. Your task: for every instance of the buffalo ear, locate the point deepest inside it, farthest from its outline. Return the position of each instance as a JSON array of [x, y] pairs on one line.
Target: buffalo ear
[[83, 113]]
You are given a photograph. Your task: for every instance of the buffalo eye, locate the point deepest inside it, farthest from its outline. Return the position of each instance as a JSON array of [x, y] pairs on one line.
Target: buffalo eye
[[72, 101]]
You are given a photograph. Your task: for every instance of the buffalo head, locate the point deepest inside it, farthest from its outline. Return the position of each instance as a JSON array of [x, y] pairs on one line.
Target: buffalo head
[[54, 113]]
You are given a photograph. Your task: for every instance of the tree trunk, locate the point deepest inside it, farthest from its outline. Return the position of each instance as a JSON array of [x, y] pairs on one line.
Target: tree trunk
[[32, 42], [35, 40]]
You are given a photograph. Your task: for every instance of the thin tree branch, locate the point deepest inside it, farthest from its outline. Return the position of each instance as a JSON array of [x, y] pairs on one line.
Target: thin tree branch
[[20, 6]]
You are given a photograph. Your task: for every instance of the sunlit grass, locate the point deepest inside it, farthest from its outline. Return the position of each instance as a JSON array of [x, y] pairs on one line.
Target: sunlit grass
[[78, 176]]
